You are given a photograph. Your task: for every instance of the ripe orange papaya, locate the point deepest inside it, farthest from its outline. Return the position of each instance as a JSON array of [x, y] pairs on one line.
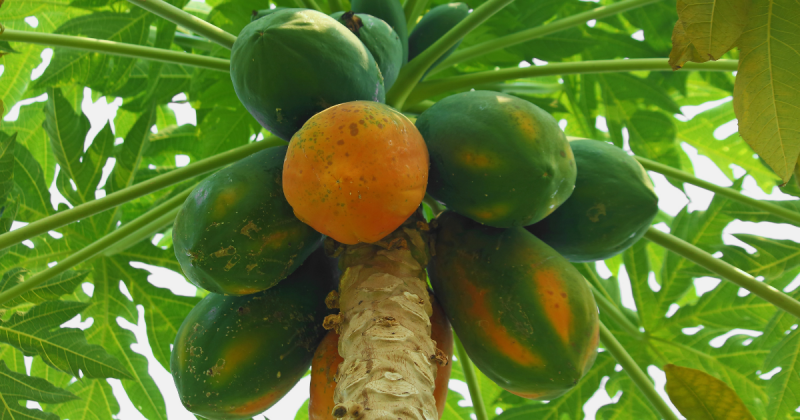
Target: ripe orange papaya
[[326, 362], [525, 315], [356, 171]]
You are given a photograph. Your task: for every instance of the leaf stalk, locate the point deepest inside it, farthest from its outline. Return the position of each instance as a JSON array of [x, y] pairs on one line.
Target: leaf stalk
[[724, 270], [96, 247], [187, 20], [538, 32], [790, 216], [143, 233], [428, 89], [636, 374], [135, 191], [116, 48], [472, 380], [412, 72], [607, 307], [413, 10]]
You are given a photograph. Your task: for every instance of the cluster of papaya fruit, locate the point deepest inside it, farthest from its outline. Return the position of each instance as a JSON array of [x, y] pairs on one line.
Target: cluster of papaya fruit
[[523, 204]]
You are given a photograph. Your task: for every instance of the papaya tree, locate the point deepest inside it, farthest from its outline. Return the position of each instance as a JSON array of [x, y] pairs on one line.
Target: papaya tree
[[393, 172]]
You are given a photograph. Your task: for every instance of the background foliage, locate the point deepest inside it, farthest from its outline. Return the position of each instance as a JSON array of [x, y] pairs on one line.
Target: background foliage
[[52, 144]]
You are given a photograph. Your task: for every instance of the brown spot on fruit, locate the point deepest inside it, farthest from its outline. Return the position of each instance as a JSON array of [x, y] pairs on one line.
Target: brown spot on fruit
[[353, 129], [595, 212]]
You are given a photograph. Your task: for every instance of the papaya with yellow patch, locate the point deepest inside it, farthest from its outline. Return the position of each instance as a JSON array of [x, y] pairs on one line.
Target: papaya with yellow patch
[[525, 315], [612, 206], [235, 234], [325, 365], [293, 63], [235, 356], [497, 159]]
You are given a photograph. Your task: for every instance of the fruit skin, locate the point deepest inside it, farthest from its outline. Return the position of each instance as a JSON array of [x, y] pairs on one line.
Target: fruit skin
[[235, 356], [356, 171], [380, 39], [293, 63], [611, 207], [236, 234], [525, 315], [391, 12], [496, 159], [326, 362], [432, 26]]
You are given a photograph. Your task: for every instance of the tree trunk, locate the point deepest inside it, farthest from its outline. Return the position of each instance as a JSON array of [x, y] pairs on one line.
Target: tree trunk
[[390, 360]]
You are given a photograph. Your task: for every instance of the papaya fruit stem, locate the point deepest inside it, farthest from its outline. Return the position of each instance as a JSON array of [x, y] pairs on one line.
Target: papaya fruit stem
[[792, 217], [636, 374], [724, 270], [472, 380], [117, 48], [390, 361], [336, 6], [427, 89], [607, 307], [412, 72], [559, 25], [134, 191], [187, 20], [95, 248]]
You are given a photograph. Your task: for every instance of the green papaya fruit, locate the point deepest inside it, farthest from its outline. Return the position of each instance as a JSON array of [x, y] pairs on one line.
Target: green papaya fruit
[[380, 39], [611, 207], [293, 63], [525, 315], [391, 12], [495, 158], [235, 356], [236, 234], [432, 26]]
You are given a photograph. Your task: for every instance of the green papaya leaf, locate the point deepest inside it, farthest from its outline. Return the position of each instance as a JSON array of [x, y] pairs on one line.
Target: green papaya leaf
[[765, 95], [16, 388]]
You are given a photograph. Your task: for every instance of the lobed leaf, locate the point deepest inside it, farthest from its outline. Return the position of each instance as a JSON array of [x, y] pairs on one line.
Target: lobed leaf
[[37, 332], [16, 386]]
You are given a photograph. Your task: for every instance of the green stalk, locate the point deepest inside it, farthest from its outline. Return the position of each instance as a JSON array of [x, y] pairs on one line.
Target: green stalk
[[187, 20], [472, 380], [336, 6], [116, 48], [539, 31], [96, 247], [790, 216], [419, 107], [636, 374], [412, 72], [311, 4], [434, 205], [151, 229], [725, 270], [135, 191], [414, 9], [427, 89], [607, 307]]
